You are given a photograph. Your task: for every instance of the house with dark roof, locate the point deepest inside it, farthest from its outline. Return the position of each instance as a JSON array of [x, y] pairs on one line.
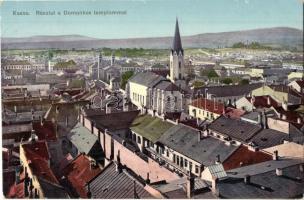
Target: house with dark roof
[[270, 179], [228, 94], [82, 140], [117, 182]]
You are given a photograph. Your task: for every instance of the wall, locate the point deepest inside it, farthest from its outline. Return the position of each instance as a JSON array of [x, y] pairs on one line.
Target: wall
[[138, 90], [278, 125]]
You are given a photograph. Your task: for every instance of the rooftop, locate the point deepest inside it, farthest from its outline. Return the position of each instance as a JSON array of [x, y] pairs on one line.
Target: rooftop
[[148, 79], [115, 120], [79, 172], [184, 140], [243, 156], [209, 105], [152, 128], [265, 185], [110, 184], [234, 128], [82, 138]]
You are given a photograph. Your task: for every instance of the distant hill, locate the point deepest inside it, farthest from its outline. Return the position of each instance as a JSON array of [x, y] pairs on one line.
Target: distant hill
[[279, 37]]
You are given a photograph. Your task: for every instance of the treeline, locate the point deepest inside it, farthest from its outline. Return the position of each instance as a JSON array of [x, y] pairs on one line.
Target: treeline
[[252, 45]]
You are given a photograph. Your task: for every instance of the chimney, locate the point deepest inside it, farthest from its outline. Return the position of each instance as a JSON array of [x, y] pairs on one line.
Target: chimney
[[218, 159], [275, 155], [214, 186], [190, 185], [148, 178], [299, 121], [279, 172], [108, 109], [268, 100], [134, 190], [247, 179], [118, 163], [198, 136], [42, 121], [301, 168], [67, 121]]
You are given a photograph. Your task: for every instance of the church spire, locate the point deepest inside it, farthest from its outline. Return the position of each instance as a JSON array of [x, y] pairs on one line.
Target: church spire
[[177, 43]]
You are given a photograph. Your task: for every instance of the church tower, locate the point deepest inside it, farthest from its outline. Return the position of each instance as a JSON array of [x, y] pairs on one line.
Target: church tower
[[177, 63]]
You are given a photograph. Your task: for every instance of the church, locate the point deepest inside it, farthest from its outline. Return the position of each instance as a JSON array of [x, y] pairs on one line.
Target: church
[[157, 94]]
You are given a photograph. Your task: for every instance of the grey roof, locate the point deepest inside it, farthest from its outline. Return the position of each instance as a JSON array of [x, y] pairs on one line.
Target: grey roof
[[177, 43], [110, 184], [234, 128], [82, 138], [184, 140], [176, 189], [228, 90], [17, 128], [114, 121], [167, 86], [290, 185], [269, 137], [148, 79], [52, 190]]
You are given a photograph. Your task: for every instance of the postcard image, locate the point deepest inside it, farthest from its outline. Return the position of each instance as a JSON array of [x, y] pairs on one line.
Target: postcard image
[[128, 99]]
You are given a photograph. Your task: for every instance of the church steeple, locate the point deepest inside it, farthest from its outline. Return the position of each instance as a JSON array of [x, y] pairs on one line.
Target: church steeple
[[177, 70], [177, 43]]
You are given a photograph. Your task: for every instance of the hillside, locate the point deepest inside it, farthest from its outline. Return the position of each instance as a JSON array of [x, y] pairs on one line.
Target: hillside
[[280, 36]]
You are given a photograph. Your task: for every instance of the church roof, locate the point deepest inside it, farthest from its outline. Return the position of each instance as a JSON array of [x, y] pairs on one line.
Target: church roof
[[177, 43], [148, 79]]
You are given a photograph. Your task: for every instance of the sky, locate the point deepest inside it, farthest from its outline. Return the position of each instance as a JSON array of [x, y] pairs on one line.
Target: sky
[[147, 18]]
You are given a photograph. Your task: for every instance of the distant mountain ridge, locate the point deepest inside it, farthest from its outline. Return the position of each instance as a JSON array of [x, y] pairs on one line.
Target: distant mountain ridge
[[278, 36]]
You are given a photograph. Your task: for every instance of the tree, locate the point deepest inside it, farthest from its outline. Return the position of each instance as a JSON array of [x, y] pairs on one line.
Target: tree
[[227, 81], [125, 77], [198, 84], [244, 82]]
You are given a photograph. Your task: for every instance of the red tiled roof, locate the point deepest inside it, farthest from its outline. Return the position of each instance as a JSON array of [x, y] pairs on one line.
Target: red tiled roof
[[36, 149], [247, 157], [79, 172], [17, 190], [37, 156], [45, 131], [209, 105], [262, 101], [234, 113]]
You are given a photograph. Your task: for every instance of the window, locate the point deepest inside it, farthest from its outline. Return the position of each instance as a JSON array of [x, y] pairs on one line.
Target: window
[[181, 162], [134, 137], [152, 144], [174, 158], [186, 163], [138, 140], [179, 64], [196, 169], [167, 153], [177, 160]]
